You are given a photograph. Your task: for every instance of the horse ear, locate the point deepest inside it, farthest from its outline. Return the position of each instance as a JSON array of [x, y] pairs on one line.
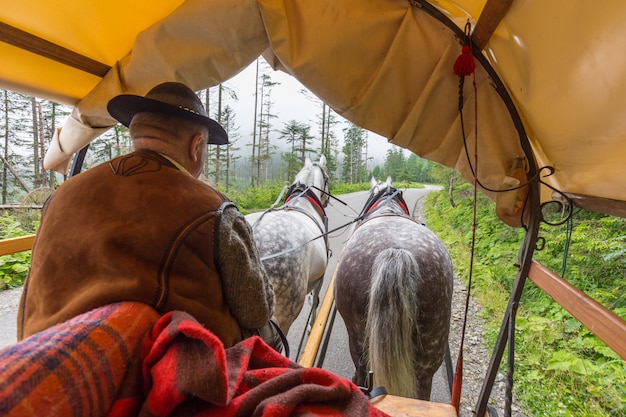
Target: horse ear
[[373, 182], [322, 161], [389, 180], [307, 161]]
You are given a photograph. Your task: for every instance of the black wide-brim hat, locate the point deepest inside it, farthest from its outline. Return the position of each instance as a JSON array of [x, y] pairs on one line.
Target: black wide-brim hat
[[171, 98]]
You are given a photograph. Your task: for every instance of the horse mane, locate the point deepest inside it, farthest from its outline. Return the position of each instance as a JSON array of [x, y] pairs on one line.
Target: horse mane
[[304, 174]]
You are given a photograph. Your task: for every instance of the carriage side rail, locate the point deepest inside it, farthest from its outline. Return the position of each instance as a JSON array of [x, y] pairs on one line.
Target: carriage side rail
[[602, 322], [16, 244]]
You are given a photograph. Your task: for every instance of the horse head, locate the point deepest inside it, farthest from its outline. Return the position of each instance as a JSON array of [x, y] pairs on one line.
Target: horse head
[[320, 180], [384, 198], [377, 187], [313, 179]]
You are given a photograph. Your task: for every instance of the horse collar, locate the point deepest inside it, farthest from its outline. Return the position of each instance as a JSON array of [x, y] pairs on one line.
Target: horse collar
[[311, 197], [387, 193], [400, 202]]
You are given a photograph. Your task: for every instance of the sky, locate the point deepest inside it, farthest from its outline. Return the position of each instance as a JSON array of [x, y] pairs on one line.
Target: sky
[[290, 104]]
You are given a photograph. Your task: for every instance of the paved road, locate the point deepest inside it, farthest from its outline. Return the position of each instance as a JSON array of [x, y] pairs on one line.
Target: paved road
[[337, 358], [9, 301]]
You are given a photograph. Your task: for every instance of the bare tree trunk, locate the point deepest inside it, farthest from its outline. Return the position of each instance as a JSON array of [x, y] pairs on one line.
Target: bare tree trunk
[[42, 145], [5, 168], [219, 120], [327, 146], [15, 174], [366, 148], [256, 107], [227, 167], [207, 164], [260, 138], [324, 133], [33, 102], [53, 126], [450, 189]]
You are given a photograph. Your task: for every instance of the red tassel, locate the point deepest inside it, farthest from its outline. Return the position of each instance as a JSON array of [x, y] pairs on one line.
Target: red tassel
[[457, 384], [464, 64]]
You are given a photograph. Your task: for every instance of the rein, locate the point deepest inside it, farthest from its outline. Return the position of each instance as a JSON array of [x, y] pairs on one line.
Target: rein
[[324, 234], [373, 204]]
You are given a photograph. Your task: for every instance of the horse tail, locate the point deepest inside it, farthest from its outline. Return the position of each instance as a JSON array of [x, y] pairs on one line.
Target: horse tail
[[391, 331]]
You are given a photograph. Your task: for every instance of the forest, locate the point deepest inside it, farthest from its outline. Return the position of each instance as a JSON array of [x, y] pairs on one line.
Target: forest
[[272, 151]]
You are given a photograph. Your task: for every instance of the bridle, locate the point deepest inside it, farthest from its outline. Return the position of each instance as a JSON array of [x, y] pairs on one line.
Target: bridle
[[298, 186]]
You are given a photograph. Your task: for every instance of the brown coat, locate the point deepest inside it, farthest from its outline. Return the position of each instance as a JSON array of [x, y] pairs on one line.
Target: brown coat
[[138, 229]]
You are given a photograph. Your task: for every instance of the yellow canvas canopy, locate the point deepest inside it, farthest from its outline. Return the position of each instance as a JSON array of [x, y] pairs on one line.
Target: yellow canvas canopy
[[543, 114], [548, 91]]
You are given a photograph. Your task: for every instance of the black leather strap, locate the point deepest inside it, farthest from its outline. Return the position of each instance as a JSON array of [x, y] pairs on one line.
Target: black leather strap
[[282, 336], [375, 392]]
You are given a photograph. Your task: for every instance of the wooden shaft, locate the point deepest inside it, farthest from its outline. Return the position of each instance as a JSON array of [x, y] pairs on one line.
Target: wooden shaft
[[317, 331]]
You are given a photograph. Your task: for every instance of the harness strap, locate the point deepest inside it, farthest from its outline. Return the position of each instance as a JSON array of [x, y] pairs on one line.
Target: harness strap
[[282, 336], [401, 203], [313, 200], [375, 392], [323, 228]]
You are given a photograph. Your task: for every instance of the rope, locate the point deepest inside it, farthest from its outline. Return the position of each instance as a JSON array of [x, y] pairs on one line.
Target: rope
[[508, 397], [324, 234], [568, 241], [458, 373]]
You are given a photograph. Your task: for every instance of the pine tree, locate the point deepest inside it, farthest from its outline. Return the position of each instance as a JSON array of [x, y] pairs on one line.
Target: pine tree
[[221, 165], [51, 113], [297, 135], [394, 164], [354, 164], [329, 142], [265, 148]]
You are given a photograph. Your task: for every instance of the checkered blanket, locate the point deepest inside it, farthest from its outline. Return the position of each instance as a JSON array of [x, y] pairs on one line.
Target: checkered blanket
[[124, 360]]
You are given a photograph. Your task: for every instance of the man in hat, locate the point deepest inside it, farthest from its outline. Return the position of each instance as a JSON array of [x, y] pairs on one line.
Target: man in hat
[[142, 227]]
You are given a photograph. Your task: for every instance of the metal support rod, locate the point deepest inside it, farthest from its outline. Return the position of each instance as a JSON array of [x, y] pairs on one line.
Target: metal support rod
[[77, 162], [525, 259]]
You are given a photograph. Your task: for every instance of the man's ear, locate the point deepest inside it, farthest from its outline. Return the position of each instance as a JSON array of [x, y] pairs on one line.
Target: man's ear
[[195, 146]]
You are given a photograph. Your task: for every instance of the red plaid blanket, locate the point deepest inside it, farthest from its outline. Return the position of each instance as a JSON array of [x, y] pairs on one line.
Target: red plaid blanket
[[79, 368], [122, 360]]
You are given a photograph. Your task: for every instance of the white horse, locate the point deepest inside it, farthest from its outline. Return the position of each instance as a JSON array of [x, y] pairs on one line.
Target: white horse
[[292, 242]]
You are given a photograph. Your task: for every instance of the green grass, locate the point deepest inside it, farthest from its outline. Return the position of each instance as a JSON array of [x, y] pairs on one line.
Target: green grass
[[561, 368], [14, 267]]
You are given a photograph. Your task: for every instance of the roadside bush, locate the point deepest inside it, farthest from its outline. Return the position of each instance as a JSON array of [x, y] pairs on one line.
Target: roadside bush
[[13, 267]]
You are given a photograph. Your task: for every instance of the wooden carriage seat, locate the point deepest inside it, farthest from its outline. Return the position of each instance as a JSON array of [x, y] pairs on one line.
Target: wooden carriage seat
[[409, 407]]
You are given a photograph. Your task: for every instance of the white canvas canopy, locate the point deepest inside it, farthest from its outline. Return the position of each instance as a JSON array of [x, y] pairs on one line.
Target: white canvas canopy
[[550, 79]]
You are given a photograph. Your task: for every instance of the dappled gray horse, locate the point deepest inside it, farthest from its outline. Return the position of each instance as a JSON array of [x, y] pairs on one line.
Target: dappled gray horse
[[393, 289], [292, 242]]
